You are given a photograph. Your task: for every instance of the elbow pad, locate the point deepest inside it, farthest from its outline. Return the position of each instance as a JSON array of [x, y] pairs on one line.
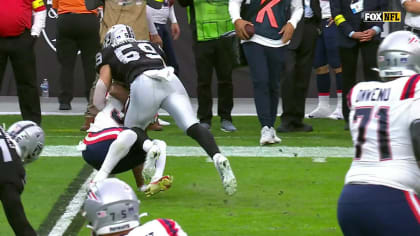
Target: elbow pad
[[415, 137]]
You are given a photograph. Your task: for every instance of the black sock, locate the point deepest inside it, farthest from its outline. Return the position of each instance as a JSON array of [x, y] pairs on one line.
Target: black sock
[[204, 138]]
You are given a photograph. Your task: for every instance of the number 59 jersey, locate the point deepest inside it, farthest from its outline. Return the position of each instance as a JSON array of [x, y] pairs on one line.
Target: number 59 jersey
[[130, 59], [380, 117]]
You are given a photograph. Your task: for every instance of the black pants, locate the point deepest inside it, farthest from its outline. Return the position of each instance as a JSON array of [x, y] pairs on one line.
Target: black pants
[[215, 54], [76, 32], [298, 74], [349, 58], [20, 50]]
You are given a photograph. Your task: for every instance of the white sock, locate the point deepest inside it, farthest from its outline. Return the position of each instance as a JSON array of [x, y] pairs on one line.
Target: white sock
[[339, 101], [117, 151], [160, 162], [323, 101]]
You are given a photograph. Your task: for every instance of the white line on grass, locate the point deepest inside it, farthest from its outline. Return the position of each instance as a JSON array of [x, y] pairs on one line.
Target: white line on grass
[[72, 209], [242, 151], [318, 153]]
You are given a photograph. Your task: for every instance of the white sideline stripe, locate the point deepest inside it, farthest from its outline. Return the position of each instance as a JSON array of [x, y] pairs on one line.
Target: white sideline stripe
[[72, 209], [242, 151]]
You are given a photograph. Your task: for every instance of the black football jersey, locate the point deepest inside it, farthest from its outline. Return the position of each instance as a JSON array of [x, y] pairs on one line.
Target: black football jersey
[[130, 59], [11, 167]]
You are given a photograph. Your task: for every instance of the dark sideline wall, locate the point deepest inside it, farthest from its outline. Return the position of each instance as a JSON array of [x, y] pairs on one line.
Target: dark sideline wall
[[48, 67]]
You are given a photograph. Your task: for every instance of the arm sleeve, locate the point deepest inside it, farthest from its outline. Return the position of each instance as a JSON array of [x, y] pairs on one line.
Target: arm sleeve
[[296, 12], [15, 213], [172, 16], [235, 9], [337, 14], [378, 26], [39, 14], [150, 23]]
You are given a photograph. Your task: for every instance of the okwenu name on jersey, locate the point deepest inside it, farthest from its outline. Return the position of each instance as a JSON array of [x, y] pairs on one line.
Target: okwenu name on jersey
[[376, 94]]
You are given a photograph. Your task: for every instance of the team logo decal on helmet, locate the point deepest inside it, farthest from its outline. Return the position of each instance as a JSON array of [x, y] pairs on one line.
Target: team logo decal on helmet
[[399, 55]]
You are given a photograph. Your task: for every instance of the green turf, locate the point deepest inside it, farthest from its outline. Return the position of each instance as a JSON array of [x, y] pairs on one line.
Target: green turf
[[46, 180], [276, 196]]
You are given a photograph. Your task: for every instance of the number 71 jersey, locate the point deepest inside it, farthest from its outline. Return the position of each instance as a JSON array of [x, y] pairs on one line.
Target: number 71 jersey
[[380, 117], [130, 59]]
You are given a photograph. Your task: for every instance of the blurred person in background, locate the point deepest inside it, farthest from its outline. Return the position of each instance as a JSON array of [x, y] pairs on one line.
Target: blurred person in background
[[77, 29], [412, 17], [128, 12], [265, 52], [209, 20], [21, 144], [112, 209], [353, 35], [160, 18], [299, 57], [326, 56], [21, 22], [380, 195]]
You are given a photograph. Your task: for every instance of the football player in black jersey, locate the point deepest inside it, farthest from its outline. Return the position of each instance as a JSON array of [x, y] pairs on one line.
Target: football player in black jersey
[[21, 144], [153, 85]]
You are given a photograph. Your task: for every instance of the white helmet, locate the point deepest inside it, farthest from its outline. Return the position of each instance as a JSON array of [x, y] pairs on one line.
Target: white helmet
[[111, 207], [118, 34], [399, 55], [29, 138]]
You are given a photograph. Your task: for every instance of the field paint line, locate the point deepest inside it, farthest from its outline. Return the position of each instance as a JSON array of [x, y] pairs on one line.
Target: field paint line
[[72, 209], [241, 151]]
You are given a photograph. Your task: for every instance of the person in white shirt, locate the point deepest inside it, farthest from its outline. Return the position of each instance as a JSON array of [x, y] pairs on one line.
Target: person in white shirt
[[160, 18], [412, 18], [380, 195], [265, 51]]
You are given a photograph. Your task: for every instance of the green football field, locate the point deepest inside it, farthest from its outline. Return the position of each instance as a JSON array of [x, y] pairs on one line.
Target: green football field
[[277, 195]]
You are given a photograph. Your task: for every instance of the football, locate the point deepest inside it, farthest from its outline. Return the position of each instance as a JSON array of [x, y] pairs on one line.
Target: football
[[250, 30]]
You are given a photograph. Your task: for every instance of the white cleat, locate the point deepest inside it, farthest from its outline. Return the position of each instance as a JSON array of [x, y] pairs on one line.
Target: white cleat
[[226, 174], [266, 136], [319, 112], [274, 135], [336, 115], [163, 122]]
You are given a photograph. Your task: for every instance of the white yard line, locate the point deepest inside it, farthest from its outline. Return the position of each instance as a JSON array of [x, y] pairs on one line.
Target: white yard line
[[242, 151], [319, 154], [72, 209]]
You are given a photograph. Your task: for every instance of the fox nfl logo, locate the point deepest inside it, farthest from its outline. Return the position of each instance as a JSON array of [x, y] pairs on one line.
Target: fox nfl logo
[[382, 16]]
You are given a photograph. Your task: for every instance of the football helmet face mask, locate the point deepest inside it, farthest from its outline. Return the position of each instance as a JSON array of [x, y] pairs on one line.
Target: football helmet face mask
[[399, 55], [111, 207], [29, 138], [118, 34]]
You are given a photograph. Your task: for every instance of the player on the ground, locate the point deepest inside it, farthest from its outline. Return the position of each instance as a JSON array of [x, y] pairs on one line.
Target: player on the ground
[[21, 144], [153, 85], [380, 196], [112, 209], [111, 148]]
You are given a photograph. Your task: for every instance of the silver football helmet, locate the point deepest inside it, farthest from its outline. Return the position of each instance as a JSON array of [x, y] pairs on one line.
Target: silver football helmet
[[399, 55], [111, 207], [29, 138], [118, 34]]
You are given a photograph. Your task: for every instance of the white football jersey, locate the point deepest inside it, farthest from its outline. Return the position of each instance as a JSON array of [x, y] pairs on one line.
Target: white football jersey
[[110, 116], [380, 117], [158, 227]]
